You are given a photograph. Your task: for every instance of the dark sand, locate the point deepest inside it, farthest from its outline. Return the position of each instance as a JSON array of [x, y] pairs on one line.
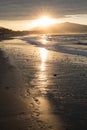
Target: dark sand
[[40, 89]]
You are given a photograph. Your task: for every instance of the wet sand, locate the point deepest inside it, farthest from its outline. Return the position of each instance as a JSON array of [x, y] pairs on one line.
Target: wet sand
[[41, 89]]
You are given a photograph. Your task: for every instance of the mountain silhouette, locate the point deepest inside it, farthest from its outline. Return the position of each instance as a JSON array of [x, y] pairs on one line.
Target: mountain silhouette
[[63, 28]]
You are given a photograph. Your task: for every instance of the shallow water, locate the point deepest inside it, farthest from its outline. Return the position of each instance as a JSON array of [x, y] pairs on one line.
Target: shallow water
[[69, 44]]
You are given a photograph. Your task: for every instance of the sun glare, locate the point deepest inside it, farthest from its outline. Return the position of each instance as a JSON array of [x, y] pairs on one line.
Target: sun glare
[[44, 21]]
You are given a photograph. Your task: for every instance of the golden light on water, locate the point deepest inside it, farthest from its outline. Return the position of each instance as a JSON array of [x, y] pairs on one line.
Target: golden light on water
[[43, 67], [44, 39], [43, 75], [43, 54]]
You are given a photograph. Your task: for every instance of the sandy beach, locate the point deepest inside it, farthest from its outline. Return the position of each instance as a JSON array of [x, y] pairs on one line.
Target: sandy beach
[[41, 89]]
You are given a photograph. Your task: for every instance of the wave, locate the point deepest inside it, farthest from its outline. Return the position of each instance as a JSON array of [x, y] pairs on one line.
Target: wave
[[71, 44]]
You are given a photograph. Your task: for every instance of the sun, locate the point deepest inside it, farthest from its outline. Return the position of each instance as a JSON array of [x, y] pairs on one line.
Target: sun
[[43, 21]]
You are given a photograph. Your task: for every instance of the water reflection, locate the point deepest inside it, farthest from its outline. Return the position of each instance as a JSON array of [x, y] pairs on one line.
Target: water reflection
[[43, 54], [43, 66], [44, 39], [46, 113], [43, 74]]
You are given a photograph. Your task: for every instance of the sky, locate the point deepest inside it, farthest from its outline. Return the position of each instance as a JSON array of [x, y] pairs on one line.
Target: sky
[[18, 14]]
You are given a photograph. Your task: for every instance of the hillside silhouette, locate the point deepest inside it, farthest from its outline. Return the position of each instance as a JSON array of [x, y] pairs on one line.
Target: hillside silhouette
[[63, 28]]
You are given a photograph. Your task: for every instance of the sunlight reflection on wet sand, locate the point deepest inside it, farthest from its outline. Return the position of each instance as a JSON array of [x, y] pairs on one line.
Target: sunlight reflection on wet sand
[[43, 54], [42, 75], [57, 83], [46, 113], [43, 67], [41, 81]]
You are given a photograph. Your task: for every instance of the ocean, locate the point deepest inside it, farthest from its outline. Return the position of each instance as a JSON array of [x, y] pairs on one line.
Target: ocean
[[72, 44]]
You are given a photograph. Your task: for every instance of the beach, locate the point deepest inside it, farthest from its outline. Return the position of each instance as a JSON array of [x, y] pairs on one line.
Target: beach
[[42, 88]]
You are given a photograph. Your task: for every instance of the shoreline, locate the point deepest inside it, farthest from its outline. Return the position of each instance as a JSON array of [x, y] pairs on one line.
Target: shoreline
[[19, 109], [41, 93]]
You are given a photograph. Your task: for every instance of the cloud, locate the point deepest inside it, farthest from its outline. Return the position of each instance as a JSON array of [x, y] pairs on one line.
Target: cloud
[[29, 9]]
